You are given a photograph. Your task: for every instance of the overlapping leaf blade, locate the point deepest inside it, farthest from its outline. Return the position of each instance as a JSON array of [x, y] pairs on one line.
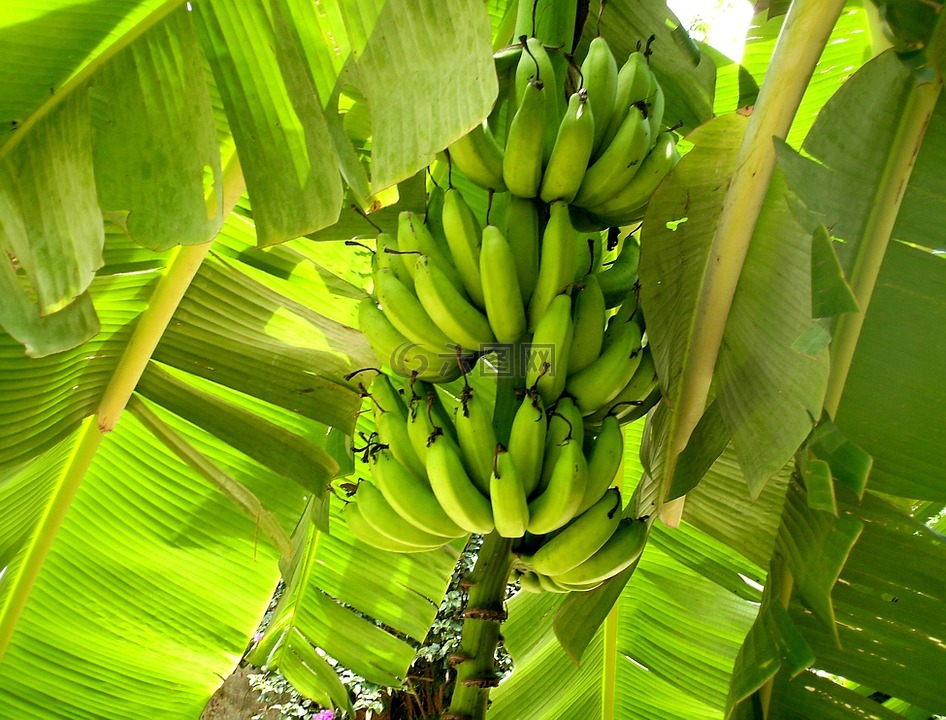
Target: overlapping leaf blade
[[148, 591], [764, 386], [154, 139]]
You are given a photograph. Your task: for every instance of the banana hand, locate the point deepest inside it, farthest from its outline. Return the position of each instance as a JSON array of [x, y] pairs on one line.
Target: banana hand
[[622, 550], [602, 380], [618, 163], [604, 462], [411, 496], [366, 533]]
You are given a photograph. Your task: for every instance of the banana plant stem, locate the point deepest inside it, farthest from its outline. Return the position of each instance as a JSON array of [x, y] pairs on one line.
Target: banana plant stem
[[485, 611], [484, 614], [164, 302], [807, 28]]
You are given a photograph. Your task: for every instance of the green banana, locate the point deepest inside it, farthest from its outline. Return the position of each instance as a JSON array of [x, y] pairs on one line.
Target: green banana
[[632, 402], [640, 408], [403, 356], [406, 313], [617, 283], [588, 317], [414, 238], [627, 311], [433, 215], [565, 423], [547, 584], [526, 73], [618, 163], [504, 307], [622, 550], [571, 151], [455, 492], [426, 417], [580, 539], [604, 462], [521, 230], [386, 399], [547, 361], [556, 264], [508, 496], [479, 157], [463, 236], [556, 505], [392, 431], [522, 160], [393, 259], [527, 440], [411, 496], [529, 582], [366, 533], [476, 437], [449, 309], [589, 254], [599, 72], [633, 85], [655, 106], [382, 517], [627, 204], [630, 253], [596, 385], [576, 587]]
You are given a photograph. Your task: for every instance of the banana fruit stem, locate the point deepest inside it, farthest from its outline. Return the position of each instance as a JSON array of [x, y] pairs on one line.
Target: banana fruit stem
[[485, 609], [483, 616], [552, 21]]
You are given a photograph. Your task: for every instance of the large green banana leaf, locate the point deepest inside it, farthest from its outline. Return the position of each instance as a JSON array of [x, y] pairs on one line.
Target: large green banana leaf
[[184, 518]]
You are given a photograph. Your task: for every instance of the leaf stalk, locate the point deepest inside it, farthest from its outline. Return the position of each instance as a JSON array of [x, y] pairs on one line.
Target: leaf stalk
[[803, 37]]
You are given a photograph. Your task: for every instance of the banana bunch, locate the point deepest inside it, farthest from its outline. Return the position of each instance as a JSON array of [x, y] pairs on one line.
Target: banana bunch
[[602, 150], [541, 278]]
